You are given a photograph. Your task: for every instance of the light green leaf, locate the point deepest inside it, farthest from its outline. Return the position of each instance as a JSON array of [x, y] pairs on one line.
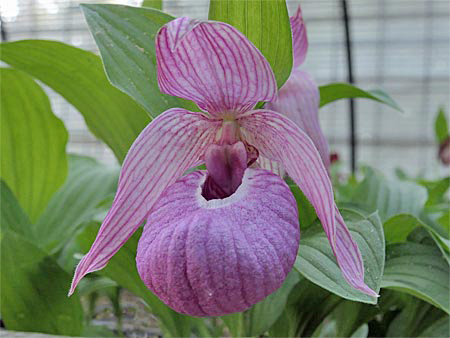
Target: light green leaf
[[441, 126], [266, 24], [398, 227], [419, 270], [122, 269], [88, 184], [33, 142], [34, 290], [389, 196], [157, 4], [337, 91], [12, 217], [78, 76], [125, 37], [317, 263]]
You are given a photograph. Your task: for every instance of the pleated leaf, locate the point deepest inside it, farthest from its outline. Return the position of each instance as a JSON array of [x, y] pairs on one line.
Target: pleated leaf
[[78, 76], [266, 24], [317, 263], [33, 142], [419, 270]]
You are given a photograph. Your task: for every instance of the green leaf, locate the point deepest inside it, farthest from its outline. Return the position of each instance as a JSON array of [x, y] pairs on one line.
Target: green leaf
[[317, 263], [34, 290], [265, 313], [306, 213], [78, 76], [125, 37], [389, 196], [88, 184], [419, 270], [440, 328], [398, 227], [33, 142], [157, 4], [337, 91], [441, 126], [266, 24], [12, 217], [122, 269]]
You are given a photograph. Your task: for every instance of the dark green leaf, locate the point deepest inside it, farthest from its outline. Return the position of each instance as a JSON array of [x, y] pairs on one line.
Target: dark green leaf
[[122, 269], [337, 91], [34, 290], [440, 328], [12, 217], [125, 37], [306, 213], [78, 76], [88, 184], [441, 126], [317, 263], [266, 24], [419, 270], [33, 142], [389, 196]]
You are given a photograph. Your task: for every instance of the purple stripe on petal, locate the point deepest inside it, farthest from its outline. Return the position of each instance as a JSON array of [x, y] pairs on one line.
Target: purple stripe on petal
[[222, 255], [298, 99], [212, 64], [280, 139], [299, 38], [166, 148]]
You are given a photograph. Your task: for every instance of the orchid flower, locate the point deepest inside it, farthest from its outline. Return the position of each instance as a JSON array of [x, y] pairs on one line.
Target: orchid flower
[[220, 240]]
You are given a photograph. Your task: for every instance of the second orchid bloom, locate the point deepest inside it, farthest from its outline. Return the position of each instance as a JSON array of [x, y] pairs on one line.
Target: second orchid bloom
[[220, 240]]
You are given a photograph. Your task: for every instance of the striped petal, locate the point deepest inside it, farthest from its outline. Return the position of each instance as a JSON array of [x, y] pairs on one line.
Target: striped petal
[[214, 257], [212, 64], [165, 149], [299, 38], [298, 99], [278, 138]]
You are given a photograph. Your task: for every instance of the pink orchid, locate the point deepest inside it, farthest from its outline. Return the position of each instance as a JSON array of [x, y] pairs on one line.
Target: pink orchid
[[217, 241]]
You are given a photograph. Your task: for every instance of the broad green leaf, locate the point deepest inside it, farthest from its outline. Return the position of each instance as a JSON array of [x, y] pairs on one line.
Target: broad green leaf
[[419, 270], [12, 217], [441, 126], [265, 313], [361, 332], [337, 91], [88, 184], [157, 4], [436, 190], [33, 142], [78, 76], [440, 328], [317, 263], [398, 227], [389, 196], [122, 269], [34, 290], [125, 37], [266, 24]]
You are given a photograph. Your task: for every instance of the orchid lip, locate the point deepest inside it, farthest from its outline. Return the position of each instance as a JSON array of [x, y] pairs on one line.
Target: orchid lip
[[240, 193]]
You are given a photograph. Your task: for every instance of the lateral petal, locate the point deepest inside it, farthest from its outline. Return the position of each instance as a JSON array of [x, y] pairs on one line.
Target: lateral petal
[[299, 38], [298, 99], [278, 138], [212, 64], [165, 149]]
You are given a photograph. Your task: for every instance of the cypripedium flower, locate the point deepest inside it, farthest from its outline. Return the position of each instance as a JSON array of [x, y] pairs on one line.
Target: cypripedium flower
[[220, 240]]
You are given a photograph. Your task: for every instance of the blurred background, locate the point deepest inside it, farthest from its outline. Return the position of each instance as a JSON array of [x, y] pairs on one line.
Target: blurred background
[[401, 46]]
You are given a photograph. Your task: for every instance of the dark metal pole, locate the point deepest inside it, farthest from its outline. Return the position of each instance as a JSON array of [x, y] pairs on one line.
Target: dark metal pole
[[3, 30], [348, 45]]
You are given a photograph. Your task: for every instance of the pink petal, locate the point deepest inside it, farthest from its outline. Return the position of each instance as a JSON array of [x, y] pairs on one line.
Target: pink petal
[[298, 99], [212, 64], [210, 258], [167, 147], [299, 38], [279, 139]]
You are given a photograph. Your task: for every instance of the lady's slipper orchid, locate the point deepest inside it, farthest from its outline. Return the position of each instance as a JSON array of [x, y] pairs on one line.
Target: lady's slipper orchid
[[217, 241]]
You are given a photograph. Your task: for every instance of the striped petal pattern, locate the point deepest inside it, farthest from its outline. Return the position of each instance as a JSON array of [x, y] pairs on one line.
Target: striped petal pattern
[[280, 139], [214, 65], [298, 99], [166, 148], [210, 258], [299, 38]]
